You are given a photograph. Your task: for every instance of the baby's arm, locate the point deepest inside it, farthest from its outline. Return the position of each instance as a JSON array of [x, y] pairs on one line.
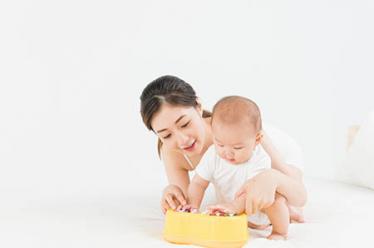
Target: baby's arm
[[196, 191]]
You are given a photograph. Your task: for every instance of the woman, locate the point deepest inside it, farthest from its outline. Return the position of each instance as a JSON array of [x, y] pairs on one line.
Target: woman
[[171, 109]]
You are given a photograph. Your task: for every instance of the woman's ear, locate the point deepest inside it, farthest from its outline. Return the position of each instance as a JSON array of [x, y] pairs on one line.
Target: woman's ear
[[199, 106]]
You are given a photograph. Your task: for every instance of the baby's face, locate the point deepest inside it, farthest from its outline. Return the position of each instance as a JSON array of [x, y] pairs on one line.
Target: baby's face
[[235, 143]]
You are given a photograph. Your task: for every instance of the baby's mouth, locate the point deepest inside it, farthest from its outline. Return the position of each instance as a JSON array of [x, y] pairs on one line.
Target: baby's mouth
[[231, 160]]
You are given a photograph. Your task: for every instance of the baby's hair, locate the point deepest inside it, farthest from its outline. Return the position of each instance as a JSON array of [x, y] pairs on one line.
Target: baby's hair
[[236, 109]]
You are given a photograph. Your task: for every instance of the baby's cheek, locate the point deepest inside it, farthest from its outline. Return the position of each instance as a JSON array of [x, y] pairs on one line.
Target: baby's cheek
[[220, 153], [246, 155]]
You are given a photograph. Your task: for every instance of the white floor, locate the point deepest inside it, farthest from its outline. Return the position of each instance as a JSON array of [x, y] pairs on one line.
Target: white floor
[[338, 215]]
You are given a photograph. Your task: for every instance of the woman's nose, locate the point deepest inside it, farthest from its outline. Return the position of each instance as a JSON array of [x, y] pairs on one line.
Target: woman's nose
[[182, 139]]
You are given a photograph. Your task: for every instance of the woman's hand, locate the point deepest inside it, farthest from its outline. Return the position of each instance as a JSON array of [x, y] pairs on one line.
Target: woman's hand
[[172, 197], [260, 191], [188, 208]]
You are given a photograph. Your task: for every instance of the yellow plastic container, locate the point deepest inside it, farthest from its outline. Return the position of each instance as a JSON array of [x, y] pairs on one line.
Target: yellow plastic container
[[205, 230]]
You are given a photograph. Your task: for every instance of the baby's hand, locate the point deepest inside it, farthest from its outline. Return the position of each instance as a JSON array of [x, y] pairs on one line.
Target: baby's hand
[[187, 208], [222, 209]]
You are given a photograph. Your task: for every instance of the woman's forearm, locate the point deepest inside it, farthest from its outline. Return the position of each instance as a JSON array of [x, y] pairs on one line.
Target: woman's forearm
[[289, 177], [291, 188], [239, 204]]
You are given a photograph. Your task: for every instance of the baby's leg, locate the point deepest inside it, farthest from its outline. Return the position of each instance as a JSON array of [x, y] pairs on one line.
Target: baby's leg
[[279, 218]]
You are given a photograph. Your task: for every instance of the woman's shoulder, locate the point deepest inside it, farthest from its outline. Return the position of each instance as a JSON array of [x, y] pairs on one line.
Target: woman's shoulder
[[278, 136], [174, 159], [285, 144]]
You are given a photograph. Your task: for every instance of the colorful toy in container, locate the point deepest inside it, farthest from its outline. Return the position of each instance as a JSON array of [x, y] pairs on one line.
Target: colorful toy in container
[[206, 230]]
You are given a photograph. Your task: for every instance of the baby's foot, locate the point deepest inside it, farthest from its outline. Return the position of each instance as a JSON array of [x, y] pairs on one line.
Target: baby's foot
[[296, 215], [277, 236]]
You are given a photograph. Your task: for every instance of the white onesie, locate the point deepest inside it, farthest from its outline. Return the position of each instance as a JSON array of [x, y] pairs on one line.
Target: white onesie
[[228, 178]]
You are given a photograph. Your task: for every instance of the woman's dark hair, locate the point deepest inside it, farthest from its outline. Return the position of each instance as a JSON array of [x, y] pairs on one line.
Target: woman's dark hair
[[166, 89]]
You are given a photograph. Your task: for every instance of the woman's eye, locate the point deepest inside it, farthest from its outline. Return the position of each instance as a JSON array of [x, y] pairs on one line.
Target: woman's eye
[[185, 125], [167, 136]]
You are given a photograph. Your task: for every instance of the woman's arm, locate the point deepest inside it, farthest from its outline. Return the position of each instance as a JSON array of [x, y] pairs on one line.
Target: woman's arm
[[290, 178], [178, 178], [282, 178], [176, 175], [277, 160], [292, 189], [260, 190]]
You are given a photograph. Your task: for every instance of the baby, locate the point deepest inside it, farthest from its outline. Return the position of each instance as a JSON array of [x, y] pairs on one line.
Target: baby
[[236, 157]]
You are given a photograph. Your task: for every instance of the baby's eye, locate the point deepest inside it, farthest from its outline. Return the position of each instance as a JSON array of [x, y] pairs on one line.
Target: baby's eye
[[238, 148], [220, 145], [185, 125], [167, 136]]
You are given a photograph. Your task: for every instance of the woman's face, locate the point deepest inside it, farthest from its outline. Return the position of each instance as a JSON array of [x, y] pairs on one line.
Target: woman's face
[[180, 128]]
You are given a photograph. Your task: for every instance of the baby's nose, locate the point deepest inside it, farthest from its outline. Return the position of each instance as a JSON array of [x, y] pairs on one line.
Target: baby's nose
[[229, 154]]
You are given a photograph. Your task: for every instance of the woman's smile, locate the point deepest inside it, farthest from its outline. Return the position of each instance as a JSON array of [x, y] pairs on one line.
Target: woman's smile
[[190, 147]]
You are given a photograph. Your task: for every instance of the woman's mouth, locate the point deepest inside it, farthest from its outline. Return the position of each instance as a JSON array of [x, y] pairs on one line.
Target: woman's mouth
[[191, 147]]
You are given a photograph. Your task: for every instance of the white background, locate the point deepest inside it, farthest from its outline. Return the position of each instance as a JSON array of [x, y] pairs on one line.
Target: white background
[[71, 73]]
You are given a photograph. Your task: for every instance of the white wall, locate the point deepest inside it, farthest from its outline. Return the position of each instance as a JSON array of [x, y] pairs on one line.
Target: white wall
[[72, 72]]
